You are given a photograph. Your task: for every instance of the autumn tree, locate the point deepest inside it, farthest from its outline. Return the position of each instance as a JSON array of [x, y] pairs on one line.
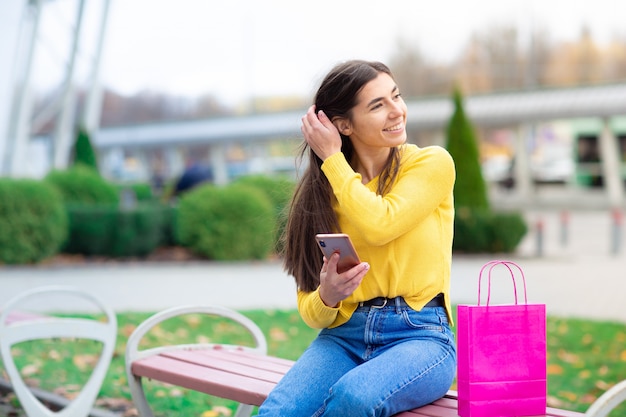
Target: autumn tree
[[416, 75]]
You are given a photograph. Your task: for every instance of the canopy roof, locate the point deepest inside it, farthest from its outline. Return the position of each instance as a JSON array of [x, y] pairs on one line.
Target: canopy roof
[[500, 109]]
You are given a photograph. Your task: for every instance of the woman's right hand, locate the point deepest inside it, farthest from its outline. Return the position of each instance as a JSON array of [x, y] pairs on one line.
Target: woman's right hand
[[320, 134], [335, 287]]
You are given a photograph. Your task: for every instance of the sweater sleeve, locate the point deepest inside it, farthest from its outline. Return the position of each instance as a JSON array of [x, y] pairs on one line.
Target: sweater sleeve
[[425, 181], [314, 312]]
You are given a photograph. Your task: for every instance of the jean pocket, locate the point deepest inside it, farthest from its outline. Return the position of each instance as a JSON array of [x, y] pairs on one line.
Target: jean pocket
[[434, 319]]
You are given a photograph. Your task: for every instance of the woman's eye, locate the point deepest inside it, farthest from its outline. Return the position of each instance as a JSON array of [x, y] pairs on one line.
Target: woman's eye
[[397, 96]]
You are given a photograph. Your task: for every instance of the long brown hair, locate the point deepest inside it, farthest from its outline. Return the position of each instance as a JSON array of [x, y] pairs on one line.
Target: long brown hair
[[311, 209]]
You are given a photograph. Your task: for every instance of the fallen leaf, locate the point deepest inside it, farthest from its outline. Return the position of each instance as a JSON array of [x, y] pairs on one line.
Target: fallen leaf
[[193, 320], [570, 396], [278, 334], [176, 392], [84, 362], [217, 411], [181, 333], [554, 369], [587, 399], [569, 357], [555, 402], [223, 411], [127, 330], [30, 370]]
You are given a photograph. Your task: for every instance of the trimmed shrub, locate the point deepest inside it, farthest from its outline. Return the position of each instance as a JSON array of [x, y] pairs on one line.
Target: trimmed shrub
[[80, 184], [33, 221], [108, 230], [142, 191], [234, 222], [476, 228], [482, 231], [470, 189], [280, 191], [83, 151]]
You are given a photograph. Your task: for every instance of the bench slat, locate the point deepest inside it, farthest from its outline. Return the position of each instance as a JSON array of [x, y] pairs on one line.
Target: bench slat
[[16, 316], [443, 407], [555, 412], [243, 389], [253, 368], [269, 363]]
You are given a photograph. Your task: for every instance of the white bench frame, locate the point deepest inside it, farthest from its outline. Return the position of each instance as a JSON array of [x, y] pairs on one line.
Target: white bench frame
[[35, 327], [133, 353]]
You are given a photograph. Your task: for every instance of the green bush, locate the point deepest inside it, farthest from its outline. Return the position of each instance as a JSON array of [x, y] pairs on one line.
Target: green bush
[[142, 191], [33, 222], [470, 189], [168, 229], [83, 152], [280, 191], [108, 230], [482, 231], [80, 184], [234, 222]]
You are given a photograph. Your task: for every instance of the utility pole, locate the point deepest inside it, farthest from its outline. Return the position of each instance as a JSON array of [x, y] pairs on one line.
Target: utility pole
[[93, 106], [18, 131], [64, 124]]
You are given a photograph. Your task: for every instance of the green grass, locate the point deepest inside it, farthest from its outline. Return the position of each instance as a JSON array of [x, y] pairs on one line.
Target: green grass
[[584, 359]]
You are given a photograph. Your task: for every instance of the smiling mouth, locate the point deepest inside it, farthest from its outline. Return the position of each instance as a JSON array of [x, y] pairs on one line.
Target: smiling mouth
[[394, 128]]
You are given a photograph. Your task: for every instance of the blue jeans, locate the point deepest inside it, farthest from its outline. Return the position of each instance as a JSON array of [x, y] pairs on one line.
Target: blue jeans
[[381, 362]]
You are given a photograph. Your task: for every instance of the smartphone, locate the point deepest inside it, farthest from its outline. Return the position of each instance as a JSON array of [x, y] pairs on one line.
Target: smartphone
[[330, 243]]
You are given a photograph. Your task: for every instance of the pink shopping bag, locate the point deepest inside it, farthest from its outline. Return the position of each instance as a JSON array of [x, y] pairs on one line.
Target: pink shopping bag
[[501, 354]]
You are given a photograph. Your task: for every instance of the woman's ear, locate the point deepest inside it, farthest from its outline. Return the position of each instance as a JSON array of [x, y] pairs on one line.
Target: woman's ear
[[343, 125]]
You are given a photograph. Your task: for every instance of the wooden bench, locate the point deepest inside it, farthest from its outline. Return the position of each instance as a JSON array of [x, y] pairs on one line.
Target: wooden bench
[[242, 374]]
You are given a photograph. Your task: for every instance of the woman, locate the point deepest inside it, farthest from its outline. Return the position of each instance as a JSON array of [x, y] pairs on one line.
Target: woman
[[385, 344]]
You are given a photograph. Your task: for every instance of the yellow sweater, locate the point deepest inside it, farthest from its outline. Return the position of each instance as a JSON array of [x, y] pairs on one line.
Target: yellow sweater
[[405, 236]]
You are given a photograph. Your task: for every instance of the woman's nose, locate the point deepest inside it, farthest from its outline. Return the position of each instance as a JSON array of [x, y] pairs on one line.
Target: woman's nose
[[397, 109]]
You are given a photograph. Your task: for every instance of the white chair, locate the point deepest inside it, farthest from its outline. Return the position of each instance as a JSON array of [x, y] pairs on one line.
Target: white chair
[[133, 353], [608, 401], [32, 327]]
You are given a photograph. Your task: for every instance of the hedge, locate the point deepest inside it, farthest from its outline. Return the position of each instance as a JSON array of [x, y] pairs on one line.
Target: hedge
[[33, 221]]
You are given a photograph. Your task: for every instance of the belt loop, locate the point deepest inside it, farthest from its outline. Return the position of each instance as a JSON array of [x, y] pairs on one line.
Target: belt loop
[[398, 303]]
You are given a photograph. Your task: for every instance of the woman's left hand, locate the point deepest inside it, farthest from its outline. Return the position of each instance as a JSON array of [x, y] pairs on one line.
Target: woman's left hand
[[335, 287], [320, 134]]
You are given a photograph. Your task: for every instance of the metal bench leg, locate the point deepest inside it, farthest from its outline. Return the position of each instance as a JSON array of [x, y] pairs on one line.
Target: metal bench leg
[[244, 410], [608, 401], [139, 397]]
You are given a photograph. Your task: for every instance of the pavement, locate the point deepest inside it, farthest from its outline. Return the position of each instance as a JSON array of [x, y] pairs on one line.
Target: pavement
[[575, 264]]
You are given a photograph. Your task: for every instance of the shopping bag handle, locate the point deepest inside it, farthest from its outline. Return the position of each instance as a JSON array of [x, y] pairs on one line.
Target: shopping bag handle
[[509, 265]]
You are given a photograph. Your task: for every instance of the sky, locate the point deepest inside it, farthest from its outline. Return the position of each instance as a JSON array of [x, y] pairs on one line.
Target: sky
[[240, 48]]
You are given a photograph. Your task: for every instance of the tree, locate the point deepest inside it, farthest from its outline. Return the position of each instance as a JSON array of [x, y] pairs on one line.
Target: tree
[[83, 151], [415, 74], [469, 189]]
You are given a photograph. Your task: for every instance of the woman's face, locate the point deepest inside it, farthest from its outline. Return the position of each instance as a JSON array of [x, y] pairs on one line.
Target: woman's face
[[379, 118]]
